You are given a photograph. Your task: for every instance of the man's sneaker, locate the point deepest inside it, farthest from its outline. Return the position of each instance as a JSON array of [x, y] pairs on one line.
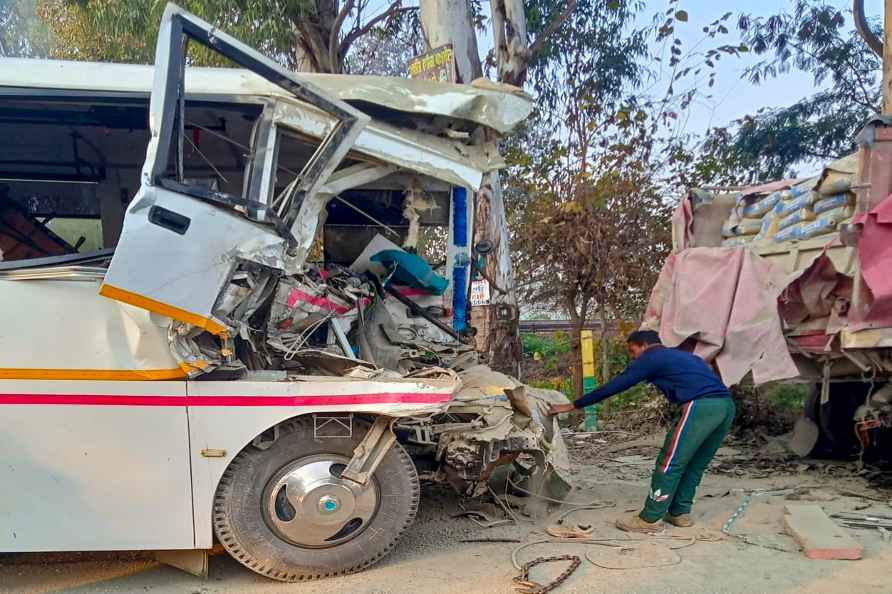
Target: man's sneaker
[[633, 523], [682, 521]]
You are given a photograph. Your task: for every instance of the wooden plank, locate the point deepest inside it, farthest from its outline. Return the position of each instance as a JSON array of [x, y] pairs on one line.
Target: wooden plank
[[818, 535]]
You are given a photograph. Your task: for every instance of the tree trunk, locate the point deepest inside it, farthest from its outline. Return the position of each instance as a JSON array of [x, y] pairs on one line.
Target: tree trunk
[[449, 21], [498, 341], [887, 59], [576, 349], [510, 39]]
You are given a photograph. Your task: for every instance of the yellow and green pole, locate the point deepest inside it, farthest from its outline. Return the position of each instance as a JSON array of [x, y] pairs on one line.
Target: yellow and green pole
[[589, 381]]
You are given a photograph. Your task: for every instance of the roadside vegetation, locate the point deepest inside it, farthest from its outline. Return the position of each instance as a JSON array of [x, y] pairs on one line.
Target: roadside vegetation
[[549, 361]]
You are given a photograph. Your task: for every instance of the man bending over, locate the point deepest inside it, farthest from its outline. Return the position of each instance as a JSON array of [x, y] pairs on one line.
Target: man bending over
[[705, 415]]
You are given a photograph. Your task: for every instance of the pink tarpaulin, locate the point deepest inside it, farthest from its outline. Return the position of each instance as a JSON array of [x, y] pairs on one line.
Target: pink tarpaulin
[[726, 300], [683, 225], [875, 256]]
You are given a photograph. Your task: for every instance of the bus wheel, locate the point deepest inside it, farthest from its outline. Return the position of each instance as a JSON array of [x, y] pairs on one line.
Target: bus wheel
[[286, 513]]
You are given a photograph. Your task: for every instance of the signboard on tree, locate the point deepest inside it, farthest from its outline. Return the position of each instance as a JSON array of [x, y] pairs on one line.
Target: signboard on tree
[[438, 64], [479, 292]]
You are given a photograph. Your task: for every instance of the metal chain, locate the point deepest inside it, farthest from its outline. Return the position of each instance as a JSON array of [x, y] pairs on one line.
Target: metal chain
[[523, 585], [741, 509]]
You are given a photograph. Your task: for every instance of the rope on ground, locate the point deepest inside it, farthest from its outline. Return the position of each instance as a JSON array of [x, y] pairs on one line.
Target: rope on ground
[[674, 559], [614, 542], [589, 505], [563, 515], [507, 508]]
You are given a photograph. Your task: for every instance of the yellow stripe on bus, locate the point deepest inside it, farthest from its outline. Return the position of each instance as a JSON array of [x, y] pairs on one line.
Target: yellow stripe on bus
[[163, 309], [92, 374]]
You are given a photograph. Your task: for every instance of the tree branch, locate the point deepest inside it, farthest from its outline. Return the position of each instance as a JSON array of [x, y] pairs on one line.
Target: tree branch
[[872, 41], [555, 24], [333, 46], [357, 32]]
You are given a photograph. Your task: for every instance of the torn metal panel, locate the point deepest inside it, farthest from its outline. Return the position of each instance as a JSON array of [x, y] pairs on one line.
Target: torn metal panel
[[873, 299], [503, 422], [496, 106], [204, 241], [311, 208], [447, 160]]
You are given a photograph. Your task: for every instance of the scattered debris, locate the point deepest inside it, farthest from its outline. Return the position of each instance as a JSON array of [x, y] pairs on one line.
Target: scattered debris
[[818, 535], [741, 510], [578, 533], [482, 519], [870, 521]]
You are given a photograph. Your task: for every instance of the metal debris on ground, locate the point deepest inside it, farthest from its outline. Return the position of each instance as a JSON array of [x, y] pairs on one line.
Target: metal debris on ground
[[869, 521], [523, 585], [739, 512], [482, 519]]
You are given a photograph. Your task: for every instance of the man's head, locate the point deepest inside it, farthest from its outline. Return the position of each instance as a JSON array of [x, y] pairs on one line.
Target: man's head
[[641, 340]]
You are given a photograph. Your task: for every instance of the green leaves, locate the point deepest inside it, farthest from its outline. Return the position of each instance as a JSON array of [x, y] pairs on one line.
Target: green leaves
[[811, 37], [126, 30]]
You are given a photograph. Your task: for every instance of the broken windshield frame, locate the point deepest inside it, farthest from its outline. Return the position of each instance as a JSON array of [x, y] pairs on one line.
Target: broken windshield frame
[[167, 109]]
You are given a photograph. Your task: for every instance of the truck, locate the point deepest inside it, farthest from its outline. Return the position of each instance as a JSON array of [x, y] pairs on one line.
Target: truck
[[789, 281], [234, 304]]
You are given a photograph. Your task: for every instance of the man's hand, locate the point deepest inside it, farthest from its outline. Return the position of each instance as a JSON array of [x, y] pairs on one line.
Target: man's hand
[[557, 409]]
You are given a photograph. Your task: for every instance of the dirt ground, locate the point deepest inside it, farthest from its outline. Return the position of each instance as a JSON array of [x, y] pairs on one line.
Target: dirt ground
[[609, 469]]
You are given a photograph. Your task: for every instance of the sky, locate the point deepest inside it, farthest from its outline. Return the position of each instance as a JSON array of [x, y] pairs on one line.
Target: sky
[[733, 96]]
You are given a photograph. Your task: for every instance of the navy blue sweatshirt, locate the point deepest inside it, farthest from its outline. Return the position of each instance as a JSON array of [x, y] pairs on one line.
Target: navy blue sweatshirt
[[680, 375]]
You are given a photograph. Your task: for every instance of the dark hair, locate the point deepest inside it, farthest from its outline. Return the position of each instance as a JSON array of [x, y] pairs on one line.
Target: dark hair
[[644, 337]]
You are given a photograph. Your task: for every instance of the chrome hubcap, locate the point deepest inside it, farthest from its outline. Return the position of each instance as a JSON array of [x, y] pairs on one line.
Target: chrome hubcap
[[307, 503]]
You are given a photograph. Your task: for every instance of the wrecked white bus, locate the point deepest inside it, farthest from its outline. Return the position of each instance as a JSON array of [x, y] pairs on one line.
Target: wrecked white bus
[[216, 322]]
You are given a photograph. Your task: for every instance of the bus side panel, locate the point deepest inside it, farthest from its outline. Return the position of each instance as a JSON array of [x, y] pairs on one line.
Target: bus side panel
[[224, 417], [94, 465]]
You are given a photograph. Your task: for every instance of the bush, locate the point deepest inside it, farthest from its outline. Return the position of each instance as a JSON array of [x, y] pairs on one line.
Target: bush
[[550, 350], [563, 384], [788, 397]]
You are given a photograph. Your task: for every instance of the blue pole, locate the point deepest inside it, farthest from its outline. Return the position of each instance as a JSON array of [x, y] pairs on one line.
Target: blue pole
[[460, 268]]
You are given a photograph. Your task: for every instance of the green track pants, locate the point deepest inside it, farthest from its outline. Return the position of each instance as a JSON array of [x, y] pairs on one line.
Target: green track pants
[[690, 445]]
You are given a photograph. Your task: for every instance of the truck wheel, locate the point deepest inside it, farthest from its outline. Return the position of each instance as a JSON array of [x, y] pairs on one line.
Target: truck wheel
[[285, 513], [836, 418]]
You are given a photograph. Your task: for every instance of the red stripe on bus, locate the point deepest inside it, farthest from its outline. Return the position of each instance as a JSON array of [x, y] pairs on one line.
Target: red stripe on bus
[[130, 400]]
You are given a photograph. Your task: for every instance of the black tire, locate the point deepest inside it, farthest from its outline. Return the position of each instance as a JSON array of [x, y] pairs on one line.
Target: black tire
[[240, 525], [835, 419]]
